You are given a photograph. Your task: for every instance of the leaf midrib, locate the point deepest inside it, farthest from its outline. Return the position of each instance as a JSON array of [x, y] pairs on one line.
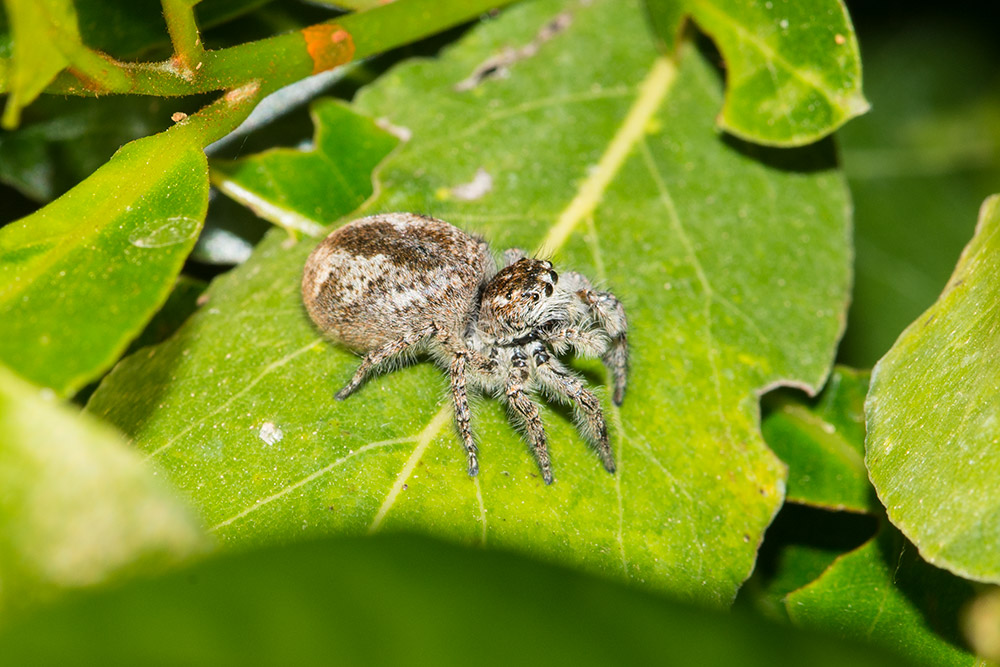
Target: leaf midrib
[[650, 96]]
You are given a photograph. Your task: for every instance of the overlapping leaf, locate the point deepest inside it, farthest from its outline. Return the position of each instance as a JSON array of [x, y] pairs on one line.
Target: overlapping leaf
[[359, 602], [823, 444], [77, 508], [826, 569], [306, 192], [81, 277], [885, 593], [933, 445], [61, 141], [793, 72], [732, 263]]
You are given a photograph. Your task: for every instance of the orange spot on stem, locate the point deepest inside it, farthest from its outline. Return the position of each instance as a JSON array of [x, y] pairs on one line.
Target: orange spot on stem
[[328, 46]]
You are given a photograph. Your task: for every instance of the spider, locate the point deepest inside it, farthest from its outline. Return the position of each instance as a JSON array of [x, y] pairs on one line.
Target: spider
[[391, 285]]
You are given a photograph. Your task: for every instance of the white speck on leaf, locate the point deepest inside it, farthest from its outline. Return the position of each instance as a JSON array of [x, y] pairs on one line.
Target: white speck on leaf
[[480, 184], [270, 433]]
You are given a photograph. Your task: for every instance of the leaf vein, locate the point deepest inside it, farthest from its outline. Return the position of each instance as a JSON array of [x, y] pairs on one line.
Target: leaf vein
[[309, 478], [270, 368]]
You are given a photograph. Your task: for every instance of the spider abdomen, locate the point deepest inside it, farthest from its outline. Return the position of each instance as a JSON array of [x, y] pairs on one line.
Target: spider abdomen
[[389, 276]]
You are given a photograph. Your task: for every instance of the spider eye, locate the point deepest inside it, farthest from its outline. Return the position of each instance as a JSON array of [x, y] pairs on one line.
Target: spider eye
[[548, 289], [534, 295], [510, 295]]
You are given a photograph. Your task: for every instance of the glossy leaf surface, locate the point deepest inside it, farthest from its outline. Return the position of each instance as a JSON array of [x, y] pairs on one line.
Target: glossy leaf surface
[[823, 443], [357, 602], [932, 414], [791, 77], [77, 507], [81, 277], [612, 166]]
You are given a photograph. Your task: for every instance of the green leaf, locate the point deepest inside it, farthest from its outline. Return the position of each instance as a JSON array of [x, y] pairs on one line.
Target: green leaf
[[81, 277], [823, 443], [77, 507], [180, 304], [793, 72], [733, 263], [61, 141], [357, 602], [919, 166], [42, 31], [800, 545], [305, 191], [884, 593], [932, 417]]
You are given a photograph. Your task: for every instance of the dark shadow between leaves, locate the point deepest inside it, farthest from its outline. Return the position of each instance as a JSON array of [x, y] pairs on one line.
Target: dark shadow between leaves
[[799, 525], [938, 595], [816, 157]]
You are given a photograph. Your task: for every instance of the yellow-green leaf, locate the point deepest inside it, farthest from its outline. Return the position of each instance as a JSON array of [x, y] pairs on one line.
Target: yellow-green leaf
[[81, 277], [77, 507], [933, 415], [42, 31], [732, 261], [793, 71]]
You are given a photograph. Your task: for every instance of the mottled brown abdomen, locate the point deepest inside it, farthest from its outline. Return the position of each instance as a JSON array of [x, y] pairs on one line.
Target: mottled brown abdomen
[[380, 278]]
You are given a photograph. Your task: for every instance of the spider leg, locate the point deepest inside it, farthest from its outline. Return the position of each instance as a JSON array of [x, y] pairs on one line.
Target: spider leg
[[565, 384], [463, 415], [380, 354], [608, 312], [588, 342], [522, 404]]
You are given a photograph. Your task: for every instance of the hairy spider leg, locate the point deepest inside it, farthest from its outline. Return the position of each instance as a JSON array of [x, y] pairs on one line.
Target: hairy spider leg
[[526, 409], [565, 384], [609, 313], [463, 414], [383, 353]]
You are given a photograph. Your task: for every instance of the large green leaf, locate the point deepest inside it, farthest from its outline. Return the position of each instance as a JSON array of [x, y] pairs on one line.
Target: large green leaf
[[884, 593], [919, 165], [793, 73], [81, 277], [932, 415], [77, 508], [401, 600], [823, 443], [732, 262]]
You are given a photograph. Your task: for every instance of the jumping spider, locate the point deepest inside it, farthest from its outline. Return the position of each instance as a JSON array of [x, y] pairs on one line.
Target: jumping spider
[[398, 283]]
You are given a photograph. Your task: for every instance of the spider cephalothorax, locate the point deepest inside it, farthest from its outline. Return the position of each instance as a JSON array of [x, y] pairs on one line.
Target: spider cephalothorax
[[392, 283]]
